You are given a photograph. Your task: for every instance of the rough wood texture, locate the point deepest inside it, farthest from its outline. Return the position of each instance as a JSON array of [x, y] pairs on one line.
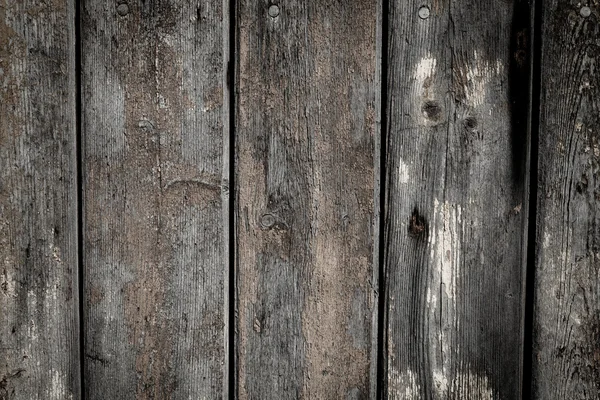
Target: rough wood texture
[[307, 130], [455, 190], [155, 199], [39, 331], [566, 347]]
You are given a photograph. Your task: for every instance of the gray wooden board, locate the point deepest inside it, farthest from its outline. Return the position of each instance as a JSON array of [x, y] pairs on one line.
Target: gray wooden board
[[39, 330], [155, 154], [454, 220], [566, 347], [307, 138]]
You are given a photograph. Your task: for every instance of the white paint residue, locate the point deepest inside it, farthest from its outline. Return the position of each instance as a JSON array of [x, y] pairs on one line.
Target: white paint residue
[[441, 383], [445, 251], [425, 69], [403, 386], [479, 75], [57, 388], [472, 385], [547, 240], [7, 283], [445, 261], [32, 331], [403, 176]]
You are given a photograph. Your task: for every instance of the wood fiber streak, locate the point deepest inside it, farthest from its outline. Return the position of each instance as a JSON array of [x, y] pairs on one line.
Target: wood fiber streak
[[456, 167], [566, 342], [307, 128], [155, 147], [39, 330]]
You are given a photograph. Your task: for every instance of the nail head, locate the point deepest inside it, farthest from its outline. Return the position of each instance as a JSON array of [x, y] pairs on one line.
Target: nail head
[[585, 12], [122, 9], [273, 11], [424, 12], [267, 220]]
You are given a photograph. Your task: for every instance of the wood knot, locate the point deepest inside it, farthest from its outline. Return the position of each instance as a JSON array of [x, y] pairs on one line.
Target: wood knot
[[431, 110], [417, 225], [470, 124]]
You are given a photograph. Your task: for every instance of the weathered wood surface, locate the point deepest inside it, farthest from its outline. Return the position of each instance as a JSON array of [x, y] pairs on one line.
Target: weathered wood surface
[[155, 148], [457, 107], [566, 347], [39, 330], [307, 131]]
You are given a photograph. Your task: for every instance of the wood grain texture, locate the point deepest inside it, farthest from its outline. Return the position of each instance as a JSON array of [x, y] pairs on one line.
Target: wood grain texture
[[39, 329], [155, 114], [306, 167], [566, 348], [457, 138]]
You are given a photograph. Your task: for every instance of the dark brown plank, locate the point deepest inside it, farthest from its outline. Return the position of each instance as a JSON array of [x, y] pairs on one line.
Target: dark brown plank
[[566, 347], [306, 167], [155, 199], [456, 168], [39, 328]]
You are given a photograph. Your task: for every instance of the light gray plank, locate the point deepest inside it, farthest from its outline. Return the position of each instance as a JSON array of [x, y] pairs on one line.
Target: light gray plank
[[306, 174], [39, 329], [566, 351], [456, 168], [155, 126]]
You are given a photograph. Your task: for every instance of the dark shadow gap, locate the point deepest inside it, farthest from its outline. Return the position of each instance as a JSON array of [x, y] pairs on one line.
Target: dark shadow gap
[[231, 361], [528, 327], [382, 289], [79, 179]]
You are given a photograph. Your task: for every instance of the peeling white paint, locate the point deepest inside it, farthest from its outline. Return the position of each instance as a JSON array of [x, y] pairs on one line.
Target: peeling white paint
[[472, 386], [403, 176], [56, 254], [547, 240], [440, 383], [445, 256], [57, 387], [479, 75], [403, 386], [425, 69], [7, 284], [445, 247]]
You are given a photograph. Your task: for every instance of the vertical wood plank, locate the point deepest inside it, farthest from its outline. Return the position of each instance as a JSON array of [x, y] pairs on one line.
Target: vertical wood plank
[[306, 160], [566, 351], [39, 330], [456, 167], [155, 124]]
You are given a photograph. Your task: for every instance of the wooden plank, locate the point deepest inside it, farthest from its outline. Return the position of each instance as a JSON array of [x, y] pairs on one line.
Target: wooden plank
[[307, 135], [566, 351], [458, 95], [155, 124], [39, 328]]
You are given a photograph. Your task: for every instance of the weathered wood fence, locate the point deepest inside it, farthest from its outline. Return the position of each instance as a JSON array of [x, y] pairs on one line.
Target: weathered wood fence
[[320, 199]]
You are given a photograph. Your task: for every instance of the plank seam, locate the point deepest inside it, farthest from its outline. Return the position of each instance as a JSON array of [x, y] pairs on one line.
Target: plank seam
[[535, 76], [383, 288], [232, 60], [79, 180]]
